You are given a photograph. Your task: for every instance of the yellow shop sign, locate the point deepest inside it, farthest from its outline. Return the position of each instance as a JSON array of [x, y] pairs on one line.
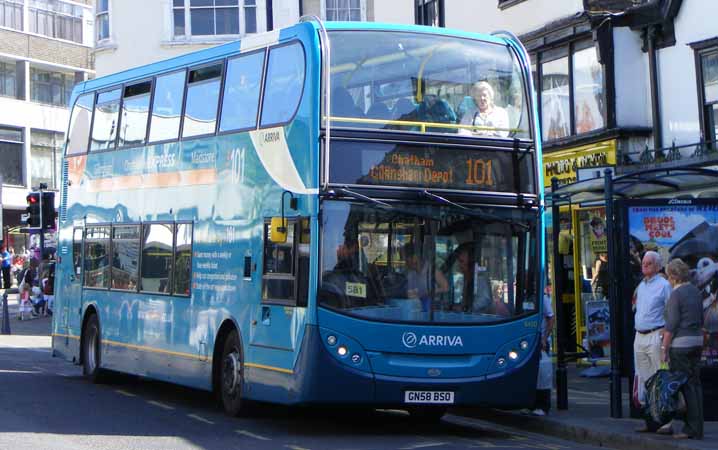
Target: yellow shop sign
[[565, 164]]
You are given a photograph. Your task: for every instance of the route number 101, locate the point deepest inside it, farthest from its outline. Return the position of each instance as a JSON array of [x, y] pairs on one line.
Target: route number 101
[[478, 172]]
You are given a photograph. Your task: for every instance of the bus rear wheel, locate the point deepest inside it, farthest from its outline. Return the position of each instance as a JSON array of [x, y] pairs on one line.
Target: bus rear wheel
[[231, 378], [91, 353]]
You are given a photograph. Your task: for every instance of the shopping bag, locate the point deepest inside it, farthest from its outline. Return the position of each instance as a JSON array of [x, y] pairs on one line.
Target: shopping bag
[[545, 372], [662, 402]]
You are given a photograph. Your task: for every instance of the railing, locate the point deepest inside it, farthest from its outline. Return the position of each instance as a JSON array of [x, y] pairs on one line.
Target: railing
[[671, 155]]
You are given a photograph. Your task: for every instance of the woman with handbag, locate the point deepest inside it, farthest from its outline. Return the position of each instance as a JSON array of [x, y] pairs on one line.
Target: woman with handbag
[[683, 343]]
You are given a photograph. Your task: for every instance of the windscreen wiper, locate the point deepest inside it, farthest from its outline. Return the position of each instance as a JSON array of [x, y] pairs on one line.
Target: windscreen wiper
[[349, 193], [473, 213]]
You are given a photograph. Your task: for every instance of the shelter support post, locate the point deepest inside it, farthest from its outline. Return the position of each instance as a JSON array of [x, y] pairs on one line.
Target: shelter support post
[[615, 382], [561, 375]]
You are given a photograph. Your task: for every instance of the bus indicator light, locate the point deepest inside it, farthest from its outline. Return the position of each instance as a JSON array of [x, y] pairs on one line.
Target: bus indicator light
[[501, 362], [524, 345], [356, 358], [332, 340]]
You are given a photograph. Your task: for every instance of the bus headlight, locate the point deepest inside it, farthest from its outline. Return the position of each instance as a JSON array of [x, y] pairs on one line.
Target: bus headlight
[[342, 351], [332, 340], [513, 355], [524, 345]]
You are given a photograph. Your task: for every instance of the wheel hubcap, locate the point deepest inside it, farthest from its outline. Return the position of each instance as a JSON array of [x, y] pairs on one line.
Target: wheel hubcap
[[231, 373]]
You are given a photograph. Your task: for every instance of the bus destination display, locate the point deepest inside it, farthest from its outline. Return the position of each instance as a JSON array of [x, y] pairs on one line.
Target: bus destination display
[[428, 166]]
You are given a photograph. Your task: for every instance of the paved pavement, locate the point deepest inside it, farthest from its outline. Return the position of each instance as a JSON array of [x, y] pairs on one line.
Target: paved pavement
[[587, 420]]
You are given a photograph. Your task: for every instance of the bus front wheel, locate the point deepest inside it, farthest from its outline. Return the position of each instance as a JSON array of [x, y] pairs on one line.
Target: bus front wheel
[[91, 353], [232, 375]]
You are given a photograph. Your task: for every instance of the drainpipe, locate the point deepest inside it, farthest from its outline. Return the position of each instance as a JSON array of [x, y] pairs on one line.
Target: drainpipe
[[651, 33]]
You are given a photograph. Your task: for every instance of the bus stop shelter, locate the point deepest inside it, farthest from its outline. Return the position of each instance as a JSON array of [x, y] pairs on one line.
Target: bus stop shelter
[[669, 187]]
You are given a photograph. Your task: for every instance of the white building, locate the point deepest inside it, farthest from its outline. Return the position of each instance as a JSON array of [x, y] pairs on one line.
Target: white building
[[166, 28], [45, 48]]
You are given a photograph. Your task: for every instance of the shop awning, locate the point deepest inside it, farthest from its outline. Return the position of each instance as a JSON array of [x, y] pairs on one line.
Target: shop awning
[[644, 183]]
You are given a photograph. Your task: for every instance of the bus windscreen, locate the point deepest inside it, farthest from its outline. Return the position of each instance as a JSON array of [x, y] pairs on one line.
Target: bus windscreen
[[426, 83]]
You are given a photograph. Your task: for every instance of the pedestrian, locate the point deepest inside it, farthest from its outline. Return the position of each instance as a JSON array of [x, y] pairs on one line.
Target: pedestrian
[[544, 384], [683, 343], [651, 296], [6, 264]]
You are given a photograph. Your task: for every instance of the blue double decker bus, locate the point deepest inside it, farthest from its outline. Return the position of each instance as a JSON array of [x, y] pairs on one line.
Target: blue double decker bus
[[331, 213]]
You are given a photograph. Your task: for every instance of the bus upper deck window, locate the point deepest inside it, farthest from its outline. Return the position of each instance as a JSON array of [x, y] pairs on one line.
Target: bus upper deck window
[[283, 86], [104, 124], [241, 92], [80, 122], [200, 114], [167, 107], [135, 111]]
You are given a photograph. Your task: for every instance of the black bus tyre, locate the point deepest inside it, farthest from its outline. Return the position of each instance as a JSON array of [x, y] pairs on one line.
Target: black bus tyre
[[91, 350], [231, 377], [427, 414]]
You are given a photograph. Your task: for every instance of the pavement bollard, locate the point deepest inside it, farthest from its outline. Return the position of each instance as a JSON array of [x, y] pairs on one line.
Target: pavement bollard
[[5, 315]]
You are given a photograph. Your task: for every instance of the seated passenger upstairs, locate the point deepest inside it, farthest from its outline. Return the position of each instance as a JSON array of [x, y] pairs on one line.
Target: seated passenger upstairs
[[436, 110], [343, 104], [378, 111]]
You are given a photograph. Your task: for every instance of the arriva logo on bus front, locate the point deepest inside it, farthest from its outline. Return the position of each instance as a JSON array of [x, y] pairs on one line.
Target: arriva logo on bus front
[[411, 340]]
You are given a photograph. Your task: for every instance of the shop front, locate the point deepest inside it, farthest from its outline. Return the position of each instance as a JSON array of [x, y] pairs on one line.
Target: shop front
[[582, 249]]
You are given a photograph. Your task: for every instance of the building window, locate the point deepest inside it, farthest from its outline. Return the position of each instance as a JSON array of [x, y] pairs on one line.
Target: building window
[[429, 12], [572, 91], [11, 149], [345, 10], [102, 19], [708, 70], [214, 17], [11, 14], [45, 158], [7, 79], [56, 19], [53, 88]]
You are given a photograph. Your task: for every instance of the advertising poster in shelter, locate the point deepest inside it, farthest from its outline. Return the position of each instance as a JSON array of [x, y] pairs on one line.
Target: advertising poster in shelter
[[685, 229]]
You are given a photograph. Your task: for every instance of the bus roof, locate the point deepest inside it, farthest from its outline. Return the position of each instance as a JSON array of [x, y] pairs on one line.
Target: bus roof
[[257, 41]]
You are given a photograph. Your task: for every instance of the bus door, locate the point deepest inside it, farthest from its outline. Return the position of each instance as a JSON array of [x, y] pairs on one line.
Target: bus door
[[279, 318], [71, 282]]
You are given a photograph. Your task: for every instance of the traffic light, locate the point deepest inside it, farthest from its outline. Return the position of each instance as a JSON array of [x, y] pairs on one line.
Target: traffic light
[[33, 209], [48, 211]]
